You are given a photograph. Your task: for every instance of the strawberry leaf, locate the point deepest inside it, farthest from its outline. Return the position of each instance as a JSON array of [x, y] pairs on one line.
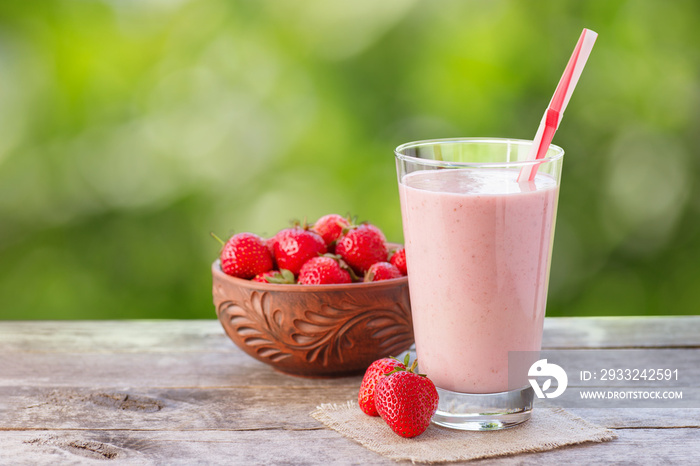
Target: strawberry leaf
[[283, 277]]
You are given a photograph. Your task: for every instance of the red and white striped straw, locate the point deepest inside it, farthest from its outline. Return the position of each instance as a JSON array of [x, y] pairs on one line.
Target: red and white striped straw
[[555, 111]]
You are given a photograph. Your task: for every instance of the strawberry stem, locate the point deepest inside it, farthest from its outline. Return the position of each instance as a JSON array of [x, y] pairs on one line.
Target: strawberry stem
[[217, 238], [412, 367], [344, 265]]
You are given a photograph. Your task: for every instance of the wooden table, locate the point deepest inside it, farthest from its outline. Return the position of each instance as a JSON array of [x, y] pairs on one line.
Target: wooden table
[[179, 392]]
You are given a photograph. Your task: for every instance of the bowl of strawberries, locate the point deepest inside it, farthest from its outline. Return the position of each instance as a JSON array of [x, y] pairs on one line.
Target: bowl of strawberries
[[319, 300]]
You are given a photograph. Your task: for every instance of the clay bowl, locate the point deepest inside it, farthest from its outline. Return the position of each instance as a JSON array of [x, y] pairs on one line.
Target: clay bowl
[[315, 330]]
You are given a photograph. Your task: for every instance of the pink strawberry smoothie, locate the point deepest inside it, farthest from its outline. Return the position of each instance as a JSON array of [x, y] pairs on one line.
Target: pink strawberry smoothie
[[478, 250]]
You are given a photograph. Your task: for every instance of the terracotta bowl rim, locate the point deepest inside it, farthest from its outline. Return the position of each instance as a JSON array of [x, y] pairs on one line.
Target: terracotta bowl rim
[[216, 270]]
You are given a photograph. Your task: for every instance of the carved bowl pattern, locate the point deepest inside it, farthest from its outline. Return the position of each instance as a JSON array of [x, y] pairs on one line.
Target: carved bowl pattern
[[315, 330]]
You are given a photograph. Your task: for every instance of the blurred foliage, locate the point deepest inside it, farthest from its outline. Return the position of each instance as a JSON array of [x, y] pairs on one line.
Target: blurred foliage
[[131, 129]]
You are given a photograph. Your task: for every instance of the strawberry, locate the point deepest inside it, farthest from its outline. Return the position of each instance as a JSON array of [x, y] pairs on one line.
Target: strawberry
[[323, 270], [376, 230], [294, 246], [330, 227], [262, 277], [361, 247], [245, 255], [270, 244], [377, 369], [283, 276], [406, 401], [382, 271], [398, 258]]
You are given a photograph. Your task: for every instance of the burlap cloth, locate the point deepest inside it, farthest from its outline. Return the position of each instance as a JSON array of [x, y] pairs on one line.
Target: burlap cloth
[[547, 429]]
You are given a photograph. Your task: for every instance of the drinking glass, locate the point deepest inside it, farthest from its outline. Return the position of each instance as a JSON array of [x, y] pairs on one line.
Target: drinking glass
[[478, 248]]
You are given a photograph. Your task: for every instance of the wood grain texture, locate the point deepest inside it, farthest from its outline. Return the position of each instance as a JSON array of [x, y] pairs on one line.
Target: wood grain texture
[[307, 447], [207, 336], [622, 332], [179, 392]]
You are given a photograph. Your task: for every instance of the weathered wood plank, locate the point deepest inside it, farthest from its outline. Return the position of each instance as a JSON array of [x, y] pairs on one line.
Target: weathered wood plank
[[622, 332], [235, 369], [206, 336], [179, 392], [258, 447], [241, 408], [632, 447], [113, 336], [229, 369], [641, 418], [307, 447]]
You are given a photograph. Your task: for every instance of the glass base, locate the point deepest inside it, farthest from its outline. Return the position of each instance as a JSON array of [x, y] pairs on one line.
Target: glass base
[[487, 411]]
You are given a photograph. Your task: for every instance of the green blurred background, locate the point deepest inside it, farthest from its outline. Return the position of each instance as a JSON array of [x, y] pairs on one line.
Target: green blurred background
[[130, 129]]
